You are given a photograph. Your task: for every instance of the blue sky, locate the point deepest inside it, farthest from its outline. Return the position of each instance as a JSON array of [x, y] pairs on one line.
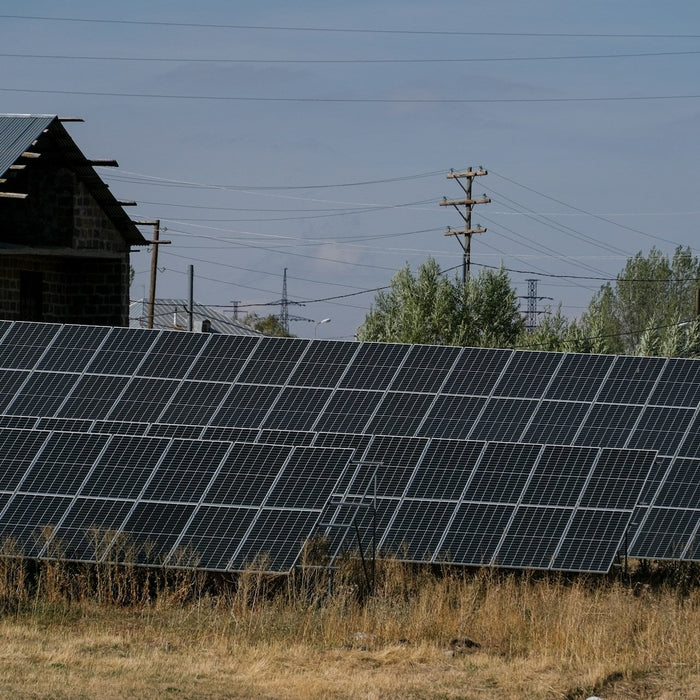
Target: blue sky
[[247, 138]]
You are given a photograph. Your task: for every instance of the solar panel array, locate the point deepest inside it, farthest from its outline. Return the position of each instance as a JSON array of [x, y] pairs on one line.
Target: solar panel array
[[506, 457]]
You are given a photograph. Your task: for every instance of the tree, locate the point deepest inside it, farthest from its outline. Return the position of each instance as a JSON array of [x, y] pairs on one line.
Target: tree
[[651, 292], [267, 325], [430, 308]]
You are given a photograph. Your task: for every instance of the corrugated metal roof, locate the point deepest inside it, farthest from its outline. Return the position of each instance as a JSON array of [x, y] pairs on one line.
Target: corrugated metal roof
[[172, 314], [17, 134]]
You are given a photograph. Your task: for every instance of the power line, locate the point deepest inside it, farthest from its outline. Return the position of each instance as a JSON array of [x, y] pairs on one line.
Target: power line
[[583, 211], [359, 100], [346, 30], [342, 61], [148, 179]]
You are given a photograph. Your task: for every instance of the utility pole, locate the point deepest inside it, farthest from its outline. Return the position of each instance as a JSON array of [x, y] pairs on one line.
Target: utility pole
[[154, 266], [468, 202]]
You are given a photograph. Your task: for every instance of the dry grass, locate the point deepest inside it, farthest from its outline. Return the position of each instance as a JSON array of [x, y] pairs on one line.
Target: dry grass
[[120, 632]]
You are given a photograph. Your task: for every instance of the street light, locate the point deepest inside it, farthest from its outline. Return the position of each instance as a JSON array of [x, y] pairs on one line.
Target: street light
[[318, 323]]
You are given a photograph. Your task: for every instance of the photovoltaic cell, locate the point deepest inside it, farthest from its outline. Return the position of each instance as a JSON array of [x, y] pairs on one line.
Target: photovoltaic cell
[[222, 359], [194, 403], [89, 529], [64, 463], [123, 351], [417, 529], [123, 470], [275, 540], [42, 394], [374, 366], [679, 384], [230, 434], [143, 399], [73, 348], [63, 424], [323, 364], [10, 381], [560, 476], [660, 428], [24, 344], [665, 534], [527, 374], [691, 445], [285, 437], [297, 408], [452, 416], [608, 425], [532, 538], [174, 430], [592, 541], [445, 469], [348, 411], [245, 406], [503, 419], [579, 377], [273, 360], [18, 448], [556, 422], [502, 473], [308, 478], [119, 427], [474, 534], [617, 479], [214, 534], [172, 354], [399, 414], [93, 396], [152, 530], [397, 457], [247, 475], [477, 371], [29, 521], [425, 368], [631, 379], [681, 488], [185, 470]]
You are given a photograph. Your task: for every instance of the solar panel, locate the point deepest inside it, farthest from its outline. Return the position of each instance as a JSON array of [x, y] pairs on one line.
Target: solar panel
[[429, 416], [73, 348], [91, 496]]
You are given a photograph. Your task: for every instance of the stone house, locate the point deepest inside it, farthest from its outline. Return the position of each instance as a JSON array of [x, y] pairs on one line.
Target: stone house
[[64, 238]]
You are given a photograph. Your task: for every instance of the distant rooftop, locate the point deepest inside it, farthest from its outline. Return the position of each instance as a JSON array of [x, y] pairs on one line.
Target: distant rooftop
[[173, 314]]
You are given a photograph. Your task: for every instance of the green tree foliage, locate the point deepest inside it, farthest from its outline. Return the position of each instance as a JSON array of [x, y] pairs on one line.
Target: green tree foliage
[[648, 310], [429, 308], [651, 292], [268, 325]]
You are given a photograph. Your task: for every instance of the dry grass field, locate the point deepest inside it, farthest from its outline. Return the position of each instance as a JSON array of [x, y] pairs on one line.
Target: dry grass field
[[120, 632]]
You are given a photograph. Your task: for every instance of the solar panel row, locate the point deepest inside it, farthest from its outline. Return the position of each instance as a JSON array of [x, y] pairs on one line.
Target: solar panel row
[[302, 392], [218, 505]]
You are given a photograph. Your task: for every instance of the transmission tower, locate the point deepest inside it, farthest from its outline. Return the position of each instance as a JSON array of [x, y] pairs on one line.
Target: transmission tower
[[284, 304], [468, 202], [284, 317], [532, 313]]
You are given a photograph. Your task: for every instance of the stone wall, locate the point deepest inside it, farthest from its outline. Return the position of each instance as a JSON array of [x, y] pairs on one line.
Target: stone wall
[[79, 290], [75, 287]]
